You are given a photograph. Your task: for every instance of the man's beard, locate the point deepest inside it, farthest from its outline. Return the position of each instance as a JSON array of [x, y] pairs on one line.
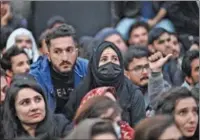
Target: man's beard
[[29, 52]]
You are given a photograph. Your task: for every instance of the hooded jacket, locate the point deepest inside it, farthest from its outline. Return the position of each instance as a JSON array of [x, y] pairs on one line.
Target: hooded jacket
[[41, 71], [53, 125], [129, 95], [19, 32]]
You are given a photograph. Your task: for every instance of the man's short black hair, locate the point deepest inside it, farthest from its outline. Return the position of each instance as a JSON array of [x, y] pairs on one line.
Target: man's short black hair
[[61, 31], [134, 52], [53, 20], [6, 58], [136, 25], [41, 38], [155, 33], [187, 60]]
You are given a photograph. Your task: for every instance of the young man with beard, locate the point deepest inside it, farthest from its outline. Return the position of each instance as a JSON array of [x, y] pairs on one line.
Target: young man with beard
[[190, 67], [60, 71], [138, 34], [140, 66], [15, 61], [162, 41], [172, 70]]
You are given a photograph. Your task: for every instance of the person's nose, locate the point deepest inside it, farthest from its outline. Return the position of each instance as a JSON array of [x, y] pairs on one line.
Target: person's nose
[[27, 67], [192, 117], [65, 56], [33, 106]]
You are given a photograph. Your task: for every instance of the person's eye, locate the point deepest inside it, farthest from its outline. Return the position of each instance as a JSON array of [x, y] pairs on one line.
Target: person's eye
[[183, 112], [25, 102], [58, 51], [104, 59], [146, 66], [28, 41], [137, 68], [197, 69], [70, 50], [115, 59], [21, 64], [169, 39], [38, 99], [195, 110], [18, 41], [144, 34], [160, 41]]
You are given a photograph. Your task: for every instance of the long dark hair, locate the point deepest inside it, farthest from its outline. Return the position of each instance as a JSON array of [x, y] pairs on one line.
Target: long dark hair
[[153, 127], [95, 107], [12, 127]]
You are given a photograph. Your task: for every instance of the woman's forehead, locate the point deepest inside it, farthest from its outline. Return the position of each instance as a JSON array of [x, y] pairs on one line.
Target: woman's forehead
[[109, 51]]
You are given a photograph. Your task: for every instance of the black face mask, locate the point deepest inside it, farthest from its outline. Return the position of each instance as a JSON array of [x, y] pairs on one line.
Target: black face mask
[[109, 70]]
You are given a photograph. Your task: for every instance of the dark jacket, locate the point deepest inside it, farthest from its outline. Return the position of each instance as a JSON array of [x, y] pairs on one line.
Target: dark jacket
[[185, 16], [60, 127], [1, 117], [129, 95], [41, 71], [132, 9], [15, 22], [173, 74]]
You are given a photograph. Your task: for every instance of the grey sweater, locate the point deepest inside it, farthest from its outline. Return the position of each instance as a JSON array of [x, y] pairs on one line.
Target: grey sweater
[[156, 86]]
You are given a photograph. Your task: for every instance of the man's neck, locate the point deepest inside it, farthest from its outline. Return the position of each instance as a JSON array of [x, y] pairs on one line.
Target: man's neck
[[30, 129], [53, 69]]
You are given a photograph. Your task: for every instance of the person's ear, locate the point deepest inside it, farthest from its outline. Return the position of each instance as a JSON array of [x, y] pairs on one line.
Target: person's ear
[[9, 73], [189, 80], [126, 73]]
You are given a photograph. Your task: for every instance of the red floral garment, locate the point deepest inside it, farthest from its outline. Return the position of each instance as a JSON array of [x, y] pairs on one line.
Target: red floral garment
[[127, 132]]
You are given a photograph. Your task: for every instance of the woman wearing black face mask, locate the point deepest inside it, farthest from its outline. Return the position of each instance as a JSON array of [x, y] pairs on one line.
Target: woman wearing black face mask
[[106, 68]]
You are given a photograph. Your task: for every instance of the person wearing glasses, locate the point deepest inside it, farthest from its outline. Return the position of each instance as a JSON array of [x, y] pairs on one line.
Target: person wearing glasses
[[145, 71], [61, 70]]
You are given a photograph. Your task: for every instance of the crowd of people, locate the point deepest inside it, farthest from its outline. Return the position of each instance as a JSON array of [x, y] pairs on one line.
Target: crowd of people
[[136, 80]]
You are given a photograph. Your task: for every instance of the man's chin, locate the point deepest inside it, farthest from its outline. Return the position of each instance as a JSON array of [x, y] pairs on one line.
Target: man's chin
[[143, 84], [66, 71]]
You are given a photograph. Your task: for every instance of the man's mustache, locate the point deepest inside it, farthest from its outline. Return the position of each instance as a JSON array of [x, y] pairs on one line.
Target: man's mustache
[[65, 63], [144, 78]]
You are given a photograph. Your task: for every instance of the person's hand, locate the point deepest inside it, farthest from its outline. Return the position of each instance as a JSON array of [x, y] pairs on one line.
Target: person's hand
[[151, 23], [7, 16], [156, 61]]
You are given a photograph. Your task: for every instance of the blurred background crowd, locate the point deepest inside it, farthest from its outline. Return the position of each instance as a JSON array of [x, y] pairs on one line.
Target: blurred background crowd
[[120, 70]]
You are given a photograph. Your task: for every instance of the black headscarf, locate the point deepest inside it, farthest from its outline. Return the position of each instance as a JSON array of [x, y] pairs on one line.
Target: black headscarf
[[97, 78], [94, 79]]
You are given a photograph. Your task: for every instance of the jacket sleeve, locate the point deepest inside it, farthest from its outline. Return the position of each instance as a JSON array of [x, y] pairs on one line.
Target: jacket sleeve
[[178, 17], [156, 86], [62, 125], [70, 108], [137, 107]]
